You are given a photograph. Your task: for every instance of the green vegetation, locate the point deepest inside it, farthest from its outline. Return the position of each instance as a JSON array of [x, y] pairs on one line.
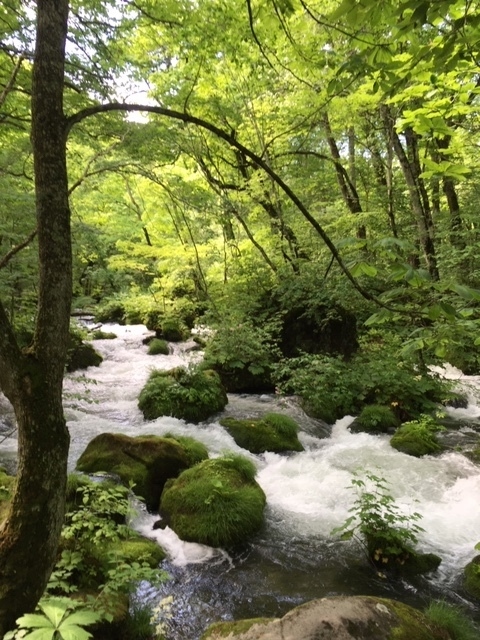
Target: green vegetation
[[144, 462], [417, 438], [388, 536], [273, 432], [471, 575], [103, 335], [194, 450], [376, 418], [453, 619], [217, 502], [192, 394], [6, 489], [158, 346]]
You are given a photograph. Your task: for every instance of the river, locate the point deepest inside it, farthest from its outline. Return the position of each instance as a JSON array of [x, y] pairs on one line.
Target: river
[[294, 558]]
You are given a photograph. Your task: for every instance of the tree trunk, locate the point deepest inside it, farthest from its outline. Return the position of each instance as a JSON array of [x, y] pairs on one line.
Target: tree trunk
[[32, 381]]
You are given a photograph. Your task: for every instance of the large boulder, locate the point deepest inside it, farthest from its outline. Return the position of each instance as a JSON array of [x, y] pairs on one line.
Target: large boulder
[[417, 438], [336, 618], [146, 461], [189, 394], [273, 432], [217, 502]]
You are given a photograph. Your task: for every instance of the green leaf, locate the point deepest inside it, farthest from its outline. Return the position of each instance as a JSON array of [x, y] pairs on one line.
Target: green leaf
[[33, 620], [74, 633], [42, 634], [82, 617]]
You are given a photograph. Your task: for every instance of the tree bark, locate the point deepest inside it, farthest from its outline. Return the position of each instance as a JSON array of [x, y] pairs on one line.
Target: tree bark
[[32, 380]]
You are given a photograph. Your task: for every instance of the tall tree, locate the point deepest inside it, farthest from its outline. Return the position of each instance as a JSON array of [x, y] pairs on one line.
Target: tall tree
[[32, 379]]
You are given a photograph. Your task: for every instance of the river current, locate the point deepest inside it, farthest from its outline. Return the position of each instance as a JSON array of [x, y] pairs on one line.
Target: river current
[[294, 558]]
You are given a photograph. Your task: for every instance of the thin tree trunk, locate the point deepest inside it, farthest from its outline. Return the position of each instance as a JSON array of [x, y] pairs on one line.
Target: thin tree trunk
[[32, 381]]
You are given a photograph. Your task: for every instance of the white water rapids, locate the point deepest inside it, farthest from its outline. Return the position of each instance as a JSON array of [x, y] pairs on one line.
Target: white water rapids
[[308, 493]]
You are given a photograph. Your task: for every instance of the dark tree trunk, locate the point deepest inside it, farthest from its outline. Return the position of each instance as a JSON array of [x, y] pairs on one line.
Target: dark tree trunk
[[32, 381]]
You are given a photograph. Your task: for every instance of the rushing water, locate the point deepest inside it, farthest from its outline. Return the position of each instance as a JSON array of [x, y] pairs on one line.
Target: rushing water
[[294, 558]]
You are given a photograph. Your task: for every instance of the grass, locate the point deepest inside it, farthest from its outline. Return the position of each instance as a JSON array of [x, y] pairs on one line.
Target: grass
[[453, 619]]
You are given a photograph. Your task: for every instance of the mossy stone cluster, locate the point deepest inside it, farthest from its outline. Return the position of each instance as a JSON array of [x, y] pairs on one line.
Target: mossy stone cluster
[[157, 346], [189, 394], [375, 418], [217, 502], [81, 355], [405, 561], [146, 461], [417, 438], [472, 577], [273, 432]]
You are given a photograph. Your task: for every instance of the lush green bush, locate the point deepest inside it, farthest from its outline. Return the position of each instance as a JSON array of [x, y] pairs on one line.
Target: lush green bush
[[388, 536], [111, 311], [192, 394], [272, 432], [242, 354], [375, 418], [417, 438], [453, 619], [330, 387], [216, 502], [173, 329], [158, 346]]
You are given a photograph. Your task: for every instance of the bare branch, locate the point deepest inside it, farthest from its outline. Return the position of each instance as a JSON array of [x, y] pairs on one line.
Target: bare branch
[[11, 81], [18, 247]]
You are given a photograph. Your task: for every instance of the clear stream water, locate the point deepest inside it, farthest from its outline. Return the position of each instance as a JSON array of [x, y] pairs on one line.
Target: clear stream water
[[294, 558]]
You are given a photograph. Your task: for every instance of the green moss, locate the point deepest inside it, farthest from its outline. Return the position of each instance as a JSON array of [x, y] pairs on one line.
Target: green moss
[[274, 432], [134, 549], [189, 394], [194, 450], [217, 502], [375, 418], [103, 335], [158, 346], [147, 461], [471, 575], [413, 624], [81, 356], [173, 329], [6, 491], [453, 619], [224, 629], [417, 438]]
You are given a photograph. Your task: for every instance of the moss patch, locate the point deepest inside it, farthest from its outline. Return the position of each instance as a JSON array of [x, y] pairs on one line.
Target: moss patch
[[417, 438], [217, 502], [147, 461], [471, 575], [157, 346], [189, 394], [273, 432], [224, 629], [375, 418], [6, 489]]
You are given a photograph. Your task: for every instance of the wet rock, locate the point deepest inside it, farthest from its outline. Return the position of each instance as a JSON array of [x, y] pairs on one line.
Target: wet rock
[[336, 618]]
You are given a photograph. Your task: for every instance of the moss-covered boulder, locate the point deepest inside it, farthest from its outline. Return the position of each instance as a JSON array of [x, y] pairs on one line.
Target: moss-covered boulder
[[417, 438], [375, 418], [81, 355], [158, 347], [190, 394], [337, 618], [217, 502], [98, 334], [273, 432], [471, 575], [388, 556], [146, 461], [6, 489]]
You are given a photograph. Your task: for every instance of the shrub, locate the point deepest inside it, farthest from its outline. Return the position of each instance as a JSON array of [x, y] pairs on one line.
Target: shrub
[[173, 329], [375, 418], [388, 537], [217, 502], [158, 346], [274, 432], [192, 394], [417, 438], [112, 311]]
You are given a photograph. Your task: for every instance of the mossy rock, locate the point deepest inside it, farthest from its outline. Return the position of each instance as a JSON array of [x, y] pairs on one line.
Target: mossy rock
[[146, 461], [158, 346], [103, 335], [6, 491], [192, 395], [217, 502], [405, 561], [194, 450], [335, 618], [273, 432], [81, 355], [416, 439], [134, 549], [375, 418], [471, 575]]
